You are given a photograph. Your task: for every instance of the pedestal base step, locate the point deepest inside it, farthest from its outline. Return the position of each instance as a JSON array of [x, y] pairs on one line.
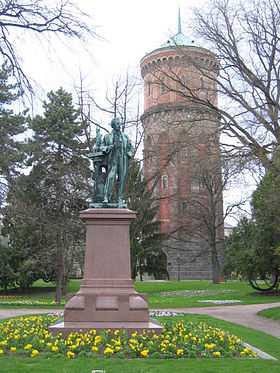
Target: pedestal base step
[[69, 327]]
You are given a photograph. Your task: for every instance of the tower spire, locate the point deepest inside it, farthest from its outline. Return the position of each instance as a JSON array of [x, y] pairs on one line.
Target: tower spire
[[179, 21]]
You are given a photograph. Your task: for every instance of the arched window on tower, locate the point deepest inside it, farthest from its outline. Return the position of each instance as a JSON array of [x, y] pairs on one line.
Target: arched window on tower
[[203, 89], [149, 88], [184, 207], [164, 182], [195, 184], [185, 86], [162, 88], [148, 140], [202, 82]]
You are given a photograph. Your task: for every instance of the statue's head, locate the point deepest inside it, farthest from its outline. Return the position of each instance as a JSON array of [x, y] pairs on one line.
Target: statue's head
[[115, 123]]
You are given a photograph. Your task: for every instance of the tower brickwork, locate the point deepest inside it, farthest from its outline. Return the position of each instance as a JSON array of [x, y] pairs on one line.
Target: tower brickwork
[[181, 134]]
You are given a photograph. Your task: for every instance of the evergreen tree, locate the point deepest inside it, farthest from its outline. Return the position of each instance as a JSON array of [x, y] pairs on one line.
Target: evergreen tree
[[11, 125], [7, 275], [254, 247], [58, 152], [51, 196], [240, 257], [26, 225], [145, 236]]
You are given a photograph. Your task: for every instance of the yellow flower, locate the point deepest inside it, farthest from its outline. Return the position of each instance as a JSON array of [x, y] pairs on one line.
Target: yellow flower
[[70, 354], [180, 352], [28, 346], [108, 350], [216, 354], [247, 351], [94, 349], [209, 346], [144, 353], [34, 353], [98, 339], [54, 348], [13, 349], [1, 351]]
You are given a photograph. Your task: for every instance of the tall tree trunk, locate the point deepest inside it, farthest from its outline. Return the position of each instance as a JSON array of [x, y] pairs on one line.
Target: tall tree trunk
[[216, 268], [64, 285], [59, 274]]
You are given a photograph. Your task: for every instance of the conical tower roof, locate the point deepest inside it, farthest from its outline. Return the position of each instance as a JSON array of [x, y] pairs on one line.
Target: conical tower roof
[[179, 39]]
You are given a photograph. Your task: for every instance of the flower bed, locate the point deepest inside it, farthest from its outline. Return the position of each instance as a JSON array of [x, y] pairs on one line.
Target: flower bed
[[29, 336], [18, 300]]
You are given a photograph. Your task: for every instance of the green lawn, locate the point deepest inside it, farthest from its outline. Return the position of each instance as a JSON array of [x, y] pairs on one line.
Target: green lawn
[[271, 313], [83, 365], [168, 294], [263, 341]]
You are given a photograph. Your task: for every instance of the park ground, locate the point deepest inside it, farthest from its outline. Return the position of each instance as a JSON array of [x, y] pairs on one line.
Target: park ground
[[184, 296], [160, 294]]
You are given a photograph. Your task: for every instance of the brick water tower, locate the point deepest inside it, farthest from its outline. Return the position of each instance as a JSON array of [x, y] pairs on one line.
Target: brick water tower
[[181, 133]]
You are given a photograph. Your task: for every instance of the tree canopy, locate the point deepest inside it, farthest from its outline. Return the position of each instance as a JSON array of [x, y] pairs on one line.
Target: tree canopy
[[11, 126]]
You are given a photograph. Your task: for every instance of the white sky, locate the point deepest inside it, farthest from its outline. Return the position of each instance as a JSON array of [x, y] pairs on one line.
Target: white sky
[[128, 29]]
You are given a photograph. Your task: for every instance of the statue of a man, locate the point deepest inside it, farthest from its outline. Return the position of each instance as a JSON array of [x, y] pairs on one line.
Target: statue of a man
[[119, 149]]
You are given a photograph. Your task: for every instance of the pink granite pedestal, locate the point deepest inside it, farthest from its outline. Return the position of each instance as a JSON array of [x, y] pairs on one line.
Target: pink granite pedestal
[[107, 298]]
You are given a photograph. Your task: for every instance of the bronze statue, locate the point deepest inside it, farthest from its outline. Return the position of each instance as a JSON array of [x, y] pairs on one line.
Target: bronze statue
[[110, 158]]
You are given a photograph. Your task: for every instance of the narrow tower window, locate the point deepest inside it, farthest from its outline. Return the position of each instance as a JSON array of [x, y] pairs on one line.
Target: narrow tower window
[[162, 88], [202, 82], [149, 89], [195, 184], [164, 182], [184, 206]]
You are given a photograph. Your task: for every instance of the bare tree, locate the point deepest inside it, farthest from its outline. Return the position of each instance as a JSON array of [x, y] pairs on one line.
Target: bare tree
[[245, 36], [202, 214], [122, 100], [40, 17]]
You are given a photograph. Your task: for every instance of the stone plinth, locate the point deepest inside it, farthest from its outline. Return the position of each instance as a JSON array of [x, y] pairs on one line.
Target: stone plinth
[[107, 298]]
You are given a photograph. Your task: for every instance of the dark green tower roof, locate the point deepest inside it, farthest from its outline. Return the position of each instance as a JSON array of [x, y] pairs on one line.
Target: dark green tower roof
[[179, 39]]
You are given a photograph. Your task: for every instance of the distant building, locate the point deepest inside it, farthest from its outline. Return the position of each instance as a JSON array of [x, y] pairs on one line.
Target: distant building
[[177, 135], [228, 229]]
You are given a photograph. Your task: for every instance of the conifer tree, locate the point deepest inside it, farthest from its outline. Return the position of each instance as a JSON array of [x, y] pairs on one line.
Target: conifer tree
[[58, 151], [11, 126], [53, 193], [145, 236]]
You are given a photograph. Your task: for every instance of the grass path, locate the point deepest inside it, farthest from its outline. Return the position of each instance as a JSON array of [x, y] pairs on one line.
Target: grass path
[[271, 313]]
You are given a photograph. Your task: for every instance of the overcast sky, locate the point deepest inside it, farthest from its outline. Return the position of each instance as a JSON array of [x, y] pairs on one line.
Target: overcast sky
[[128, 30]]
